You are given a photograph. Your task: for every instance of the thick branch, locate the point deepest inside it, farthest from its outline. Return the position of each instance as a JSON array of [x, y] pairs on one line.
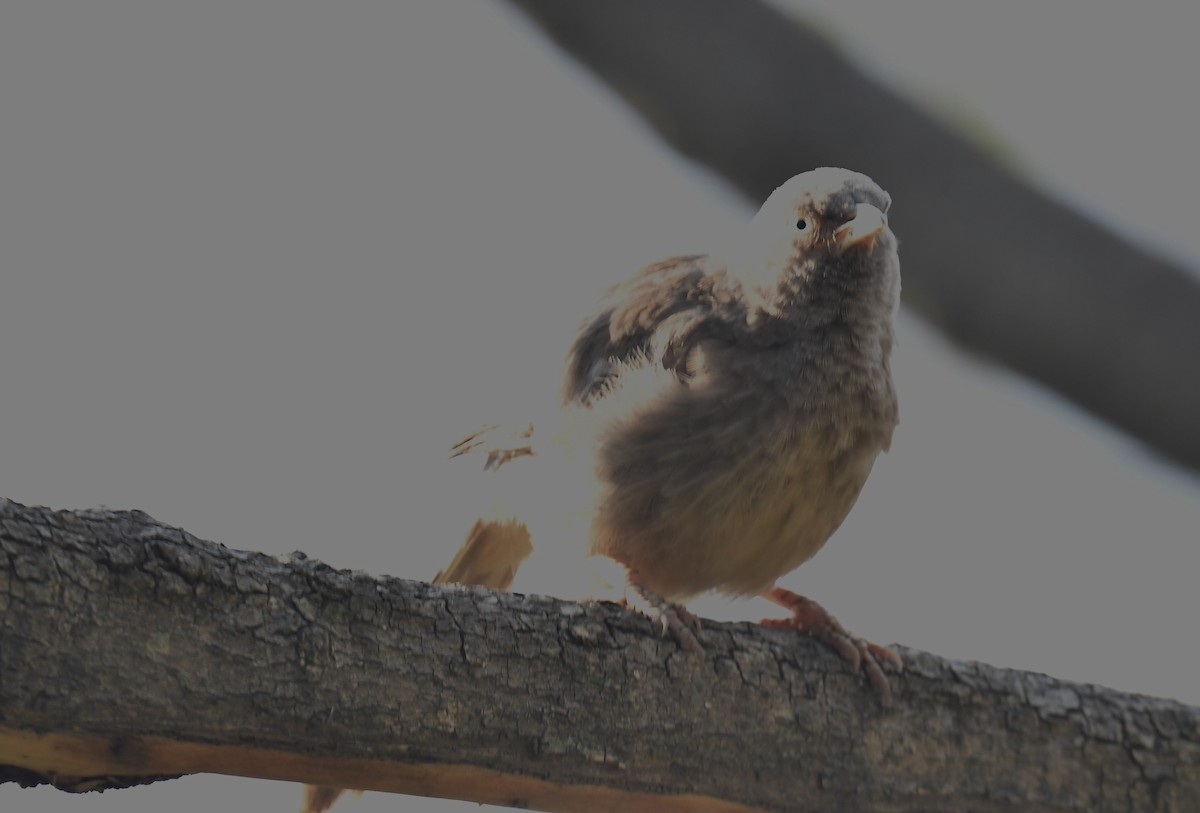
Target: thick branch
[[131, 650], [988, 259]]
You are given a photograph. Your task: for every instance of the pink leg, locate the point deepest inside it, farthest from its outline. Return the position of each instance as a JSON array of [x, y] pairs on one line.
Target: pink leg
[[674, 618], [810, 617]]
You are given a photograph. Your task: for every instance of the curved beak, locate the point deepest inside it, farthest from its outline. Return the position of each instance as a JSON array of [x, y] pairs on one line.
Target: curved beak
[[868, 221]]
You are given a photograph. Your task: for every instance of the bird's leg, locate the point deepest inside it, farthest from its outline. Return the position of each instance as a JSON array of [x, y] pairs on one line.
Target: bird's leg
[[674, 618], [810, 617]]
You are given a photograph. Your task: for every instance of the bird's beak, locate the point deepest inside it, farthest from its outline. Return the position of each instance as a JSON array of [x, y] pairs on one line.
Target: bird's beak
[[867, 223]]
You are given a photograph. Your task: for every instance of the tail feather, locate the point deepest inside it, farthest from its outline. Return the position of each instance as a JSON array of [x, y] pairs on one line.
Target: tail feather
[[500, 450], [490, 556], [494, 548], [319, 798]]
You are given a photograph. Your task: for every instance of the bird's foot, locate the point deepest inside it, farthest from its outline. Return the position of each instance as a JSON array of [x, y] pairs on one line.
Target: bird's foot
[[810, 617], [683, 625]]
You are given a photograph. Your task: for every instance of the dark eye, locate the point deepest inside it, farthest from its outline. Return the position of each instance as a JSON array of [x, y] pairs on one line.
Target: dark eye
[[802, 225]]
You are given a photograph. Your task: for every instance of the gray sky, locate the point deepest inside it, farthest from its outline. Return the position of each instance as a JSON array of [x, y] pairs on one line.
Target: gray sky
[[263, 263]]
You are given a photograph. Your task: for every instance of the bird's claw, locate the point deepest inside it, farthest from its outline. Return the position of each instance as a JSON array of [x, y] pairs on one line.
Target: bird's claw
[[810, 617], [683, 625]]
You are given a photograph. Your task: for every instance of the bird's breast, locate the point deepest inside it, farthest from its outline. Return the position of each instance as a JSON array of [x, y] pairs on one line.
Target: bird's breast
[[728, 488]]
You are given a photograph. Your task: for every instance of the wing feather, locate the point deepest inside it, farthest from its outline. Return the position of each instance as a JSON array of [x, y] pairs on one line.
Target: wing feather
[[655, 316]]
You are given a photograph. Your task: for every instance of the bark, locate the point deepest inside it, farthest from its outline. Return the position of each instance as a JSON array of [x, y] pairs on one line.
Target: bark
[[988, 259], [131, 650]]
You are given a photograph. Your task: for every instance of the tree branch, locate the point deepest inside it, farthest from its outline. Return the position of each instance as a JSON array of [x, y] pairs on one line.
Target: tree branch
[[130, 650], [988, 259]]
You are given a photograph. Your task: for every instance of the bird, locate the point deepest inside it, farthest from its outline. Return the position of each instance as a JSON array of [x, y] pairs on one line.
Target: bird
[[728, 408], [720, 414]]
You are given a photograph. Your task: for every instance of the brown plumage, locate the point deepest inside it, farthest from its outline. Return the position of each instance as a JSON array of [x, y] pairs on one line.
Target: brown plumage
[[732, 406]]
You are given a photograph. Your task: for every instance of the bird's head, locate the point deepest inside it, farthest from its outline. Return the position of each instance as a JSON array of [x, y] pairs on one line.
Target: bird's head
[[819, 238]]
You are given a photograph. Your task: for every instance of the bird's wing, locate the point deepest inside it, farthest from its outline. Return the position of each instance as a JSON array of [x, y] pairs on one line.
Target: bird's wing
[[656, 316]]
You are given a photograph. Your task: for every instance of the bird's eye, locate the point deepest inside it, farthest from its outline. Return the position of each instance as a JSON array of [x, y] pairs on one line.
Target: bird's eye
[[802, 225]]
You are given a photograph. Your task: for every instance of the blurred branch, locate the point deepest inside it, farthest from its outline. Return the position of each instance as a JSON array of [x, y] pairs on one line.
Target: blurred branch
[[131, 651], [990, 260]]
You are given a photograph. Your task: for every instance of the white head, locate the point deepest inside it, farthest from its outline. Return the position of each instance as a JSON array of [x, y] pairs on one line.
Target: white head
[[820, 232]]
